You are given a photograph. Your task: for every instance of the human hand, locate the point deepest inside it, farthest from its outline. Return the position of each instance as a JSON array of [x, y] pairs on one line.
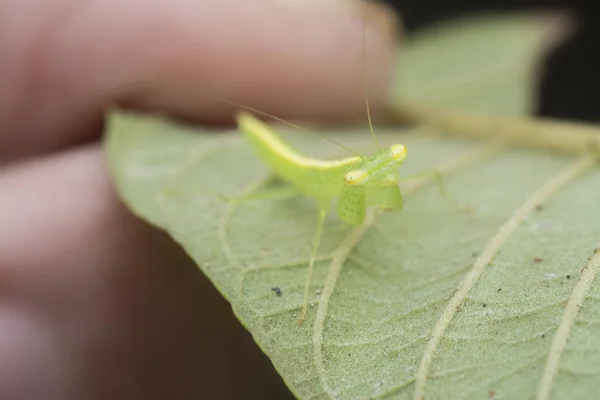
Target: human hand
[[96, 304]]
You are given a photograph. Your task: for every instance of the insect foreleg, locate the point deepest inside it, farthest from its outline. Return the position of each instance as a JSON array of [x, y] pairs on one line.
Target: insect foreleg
[[386, 197], [352, 205]]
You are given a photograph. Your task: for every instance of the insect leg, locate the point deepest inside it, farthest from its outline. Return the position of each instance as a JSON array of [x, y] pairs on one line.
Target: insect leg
[[427, 175], [269, 193], [424, 177], [313, 255], [280, 192], [352, 205], [387, 197]]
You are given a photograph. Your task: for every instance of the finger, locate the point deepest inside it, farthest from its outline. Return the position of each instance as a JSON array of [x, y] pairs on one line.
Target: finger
[[106, 307], [65, 60], [290, 61]]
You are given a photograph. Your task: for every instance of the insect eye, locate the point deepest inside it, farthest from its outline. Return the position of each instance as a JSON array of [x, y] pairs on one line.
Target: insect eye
[[355, 177], [398, 152]]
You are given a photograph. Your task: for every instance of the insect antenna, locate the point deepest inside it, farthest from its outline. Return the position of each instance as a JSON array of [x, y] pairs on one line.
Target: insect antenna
[[365, 79], [254, 110], [265, 114]]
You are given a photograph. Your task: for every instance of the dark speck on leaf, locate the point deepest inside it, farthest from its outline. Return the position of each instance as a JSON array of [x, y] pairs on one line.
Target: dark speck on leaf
[[500, 289], [568, 276], [539, 207], [538, 260], [484, 305], [276, 290], [543, 335]]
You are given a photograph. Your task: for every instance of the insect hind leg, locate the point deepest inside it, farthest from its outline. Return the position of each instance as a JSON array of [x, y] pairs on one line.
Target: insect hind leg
[[268, 193], [269, 189]]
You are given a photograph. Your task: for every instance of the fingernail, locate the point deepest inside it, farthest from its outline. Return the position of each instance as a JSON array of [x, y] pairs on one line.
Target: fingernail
[[382, 18]]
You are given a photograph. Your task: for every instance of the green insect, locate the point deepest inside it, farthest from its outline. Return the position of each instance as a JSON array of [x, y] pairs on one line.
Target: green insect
[[355, 182]]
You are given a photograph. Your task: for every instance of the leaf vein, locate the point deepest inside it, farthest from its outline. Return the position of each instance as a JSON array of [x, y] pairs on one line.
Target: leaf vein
[[561, 336], [342, 253], [487, 255]]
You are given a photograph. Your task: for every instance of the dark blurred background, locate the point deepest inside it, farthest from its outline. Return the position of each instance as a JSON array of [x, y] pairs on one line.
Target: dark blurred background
[[570, 86]]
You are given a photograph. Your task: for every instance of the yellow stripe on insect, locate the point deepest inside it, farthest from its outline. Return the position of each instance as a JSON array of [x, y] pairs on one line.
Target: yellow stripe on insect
[[264, 133]]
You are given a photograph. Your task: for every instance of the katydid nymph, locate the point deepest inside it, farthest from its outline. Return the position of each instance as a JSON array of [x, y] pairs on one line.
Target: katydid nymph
[[355, 182]]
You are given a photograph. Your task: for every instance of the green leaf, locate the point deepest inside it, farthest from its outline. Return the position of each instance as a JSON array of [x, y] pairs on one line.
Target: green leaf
[[493, 298], [481, 64]]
